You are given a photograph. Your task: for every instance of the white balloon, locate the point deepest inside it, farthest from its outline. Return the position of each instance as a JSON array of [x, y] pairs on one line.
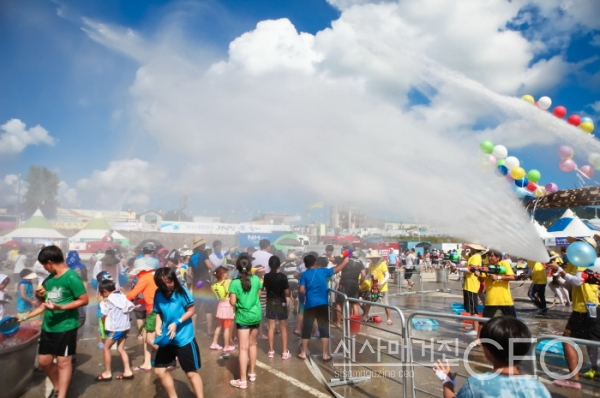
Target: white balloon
[[511, 162], [544, 103], [593, 157], [500, 152]]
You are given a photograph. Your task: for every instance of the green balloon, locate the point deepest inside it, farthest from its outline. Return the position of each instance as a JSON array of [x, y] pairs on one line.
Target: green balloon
[[500, 162], [534, 175], [486, 147]]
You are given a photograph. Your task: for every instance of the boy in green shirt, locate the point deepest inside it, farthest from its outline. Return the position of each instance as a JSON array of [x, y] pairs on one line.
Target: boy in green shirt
[[62, 293]]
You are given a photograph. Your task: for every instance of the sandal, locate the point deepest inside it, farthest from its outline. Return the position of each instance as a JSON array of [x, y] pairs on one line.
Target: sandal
[[123, 377], [389, 322], [140, 369], [252, 376], [271, 354], [286, 355], [100, 377], [328, 359], [239, 384], [301, 357], [568, 384]]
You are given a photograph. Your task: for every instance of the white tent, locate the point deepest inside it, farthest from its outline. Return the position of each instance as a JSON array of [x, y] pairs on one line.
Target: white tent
[[97, 229], [36, 230], [541, 230], [568, 225]]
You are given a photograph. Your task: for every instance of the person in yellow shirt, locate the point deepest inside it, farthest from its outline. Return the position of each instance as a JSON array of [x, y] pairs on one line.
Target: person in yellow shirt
[[583, 322], [537, 290], [471, 283], [378, 269], [498, 296]]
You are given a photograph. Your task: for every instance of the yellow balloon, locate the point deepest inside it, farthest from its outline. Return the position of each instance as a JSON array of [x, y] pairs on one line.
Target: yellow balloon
[[588, 127], [540, 191], [517, 173], [528, 98]]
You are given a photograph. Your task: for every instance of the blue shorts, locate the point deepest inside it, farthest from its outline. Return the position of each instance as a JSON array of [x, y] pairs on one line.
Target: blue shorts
[[115, 336]]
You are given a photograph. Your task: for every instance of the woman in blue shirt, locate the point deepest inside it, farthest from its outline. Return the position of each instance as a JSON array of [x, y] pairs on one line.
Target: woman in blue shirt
[[174, 307], [313, 284]]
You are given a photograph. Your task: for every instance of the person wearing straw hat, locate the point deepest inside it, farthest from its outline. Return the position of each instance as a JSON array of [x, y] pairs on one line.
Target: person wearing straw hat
[[111, 264], [471, 282], [583, 322], [378, 270], [147, 288], [201, 269], [25, 298]]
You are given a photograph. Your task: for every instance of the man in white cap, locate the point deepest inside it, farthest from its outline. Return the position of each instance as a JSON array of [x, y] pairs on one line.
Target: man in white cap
[[583, 322]]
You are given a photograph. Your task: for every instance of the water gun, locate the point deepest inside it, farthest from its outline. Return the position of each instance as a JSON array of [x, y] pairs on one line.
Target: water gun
[[375, 291], [346, 253], [591, 277], [490, 269]]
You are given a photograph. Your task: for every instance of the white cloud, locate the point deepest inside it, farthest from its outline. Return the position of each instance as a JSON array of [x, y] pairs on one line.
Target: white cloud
[[595, 106], [595, 41], [9, 189], [326, 115], [16, 137], [67, 196], [124, 182]]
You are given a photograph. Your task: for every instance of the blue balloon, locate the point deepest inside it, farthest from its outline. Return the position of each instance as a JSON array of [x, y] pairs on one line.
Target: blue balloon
[[587, 119], [503, 169], [581, 254], [522, 192], [522, 182]]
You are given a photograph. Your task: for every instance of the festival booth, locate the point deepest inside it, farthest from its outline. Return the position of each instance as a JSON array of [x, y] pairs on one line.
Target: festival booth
[[568, 225], [37, 230], [97, 229], [542, 231]]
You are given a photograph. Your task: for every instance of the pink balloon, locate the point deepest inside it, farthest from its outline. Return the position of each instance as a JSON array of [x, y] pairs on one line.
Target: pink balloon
[[575, 120], [567, 165], [587, 170], [551, 187], [565, 152], [509, 178], [493, 160]]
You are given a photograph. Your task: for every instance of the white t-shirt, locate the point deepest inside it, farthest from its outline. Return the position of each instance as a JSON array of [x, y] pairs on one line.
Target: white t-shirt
[[410, 259], [117, 309], [41, 272], [261, 258], [20, 263], [216, 261]]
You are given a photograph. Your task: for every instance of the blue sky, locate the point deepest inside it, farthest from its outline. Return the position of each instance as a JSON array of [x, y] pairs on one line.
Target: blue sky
[[69, 67]]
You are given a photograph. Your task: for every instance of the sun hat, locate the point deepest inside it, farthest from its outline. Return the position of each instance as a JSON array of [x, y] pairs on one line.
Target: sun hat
[[586, 239], [373, 254], [187, 253], [140, 265], [475, 246], [110, 258], [198, 241], [28, 274], [292, 256]]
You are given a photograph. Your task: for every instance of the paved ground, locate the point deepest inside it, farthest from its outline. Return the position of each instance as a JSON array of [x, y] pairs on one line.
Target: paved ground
[[296, 378]]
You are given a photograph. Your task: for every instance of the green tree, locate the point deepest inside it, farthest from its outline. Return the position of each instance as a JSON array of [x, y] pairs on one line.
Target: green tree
[[42, 192]]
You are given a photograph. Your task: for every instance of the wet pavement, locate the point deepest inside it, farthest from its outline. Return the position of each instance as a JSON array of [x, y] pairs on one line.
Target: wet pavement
[[297, 378]]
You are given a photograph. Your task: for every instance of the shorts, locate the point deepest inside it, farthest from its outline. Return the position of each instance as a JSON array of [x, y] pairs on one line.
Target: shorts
[[408, 273], [581, 326], [507, 310], [470, 302], [384, 299], [60, 344], [320, 313], [150, 322], [277, 311], [392, 268], [188, 356], [293, 289], [116, 336], [139, 314], [246, 327], [225, 323], [350, 289]]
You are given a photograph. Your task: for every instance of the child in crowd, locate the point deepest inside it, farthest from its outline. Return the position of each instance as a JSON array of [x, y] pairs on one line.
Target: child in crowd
[[4, 281], [115, 309], [25, 298], [224, 311], [243, 296], [497, 336], [103, 275], [277, 288]]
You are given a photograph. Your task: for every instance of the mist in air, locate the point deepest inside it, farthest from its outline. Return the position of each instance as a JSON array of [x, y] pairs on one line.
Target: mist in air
[[330, 117]]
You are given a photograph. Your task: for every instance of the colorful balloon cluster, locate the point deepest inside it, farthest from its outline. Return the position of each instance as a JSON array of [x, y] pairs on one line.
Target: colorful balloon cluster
[[584, 123], [567, 164], [510, 167]]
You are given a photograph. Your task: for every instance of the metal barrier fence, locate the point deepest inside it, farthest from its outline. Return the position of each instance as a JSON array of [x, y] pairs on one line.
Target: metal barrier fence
[[347, 356], [400, 277]]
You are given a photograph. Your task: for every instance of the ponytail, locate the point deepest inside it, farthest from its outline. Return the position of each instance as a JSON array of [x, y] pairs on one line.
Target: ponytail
[[274, 264], [243, 266]]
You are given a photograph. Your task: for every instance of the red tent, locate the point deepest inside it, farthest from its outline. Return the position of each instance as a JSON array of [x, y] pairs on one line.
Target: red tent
[[12, 243]]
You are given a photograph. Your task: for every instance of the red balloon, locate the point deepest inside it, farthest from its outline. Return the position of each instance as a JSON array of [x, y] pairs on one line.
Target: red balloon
[[575, 120], [531, 186], [560, 111]]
